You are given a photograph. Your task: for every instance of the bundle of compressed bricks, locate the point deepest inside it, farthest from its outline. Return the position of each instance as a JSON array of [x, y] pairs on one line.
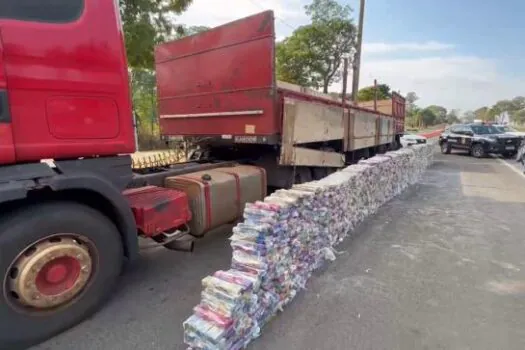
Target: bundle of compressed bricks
[[284, 238]]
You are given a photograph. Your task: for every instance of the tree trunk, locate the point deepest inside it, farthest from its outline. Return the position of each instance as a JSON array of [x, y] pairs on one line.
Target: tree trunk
[[325, 87]]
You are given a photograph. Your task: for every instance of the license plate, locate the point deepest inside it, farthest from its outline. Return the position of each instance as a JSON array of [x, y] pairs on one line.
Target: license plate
[[245, 139], [510, 147]]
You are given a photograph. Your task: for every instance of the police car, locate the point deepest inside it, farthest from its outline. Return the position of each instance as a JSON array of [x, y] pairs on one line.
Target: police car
[[479, 140]]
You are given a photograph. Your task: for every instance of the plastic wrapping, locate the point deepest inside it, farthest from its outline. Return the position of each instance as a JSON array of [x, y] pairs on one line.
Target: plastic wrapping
[[284, 238]]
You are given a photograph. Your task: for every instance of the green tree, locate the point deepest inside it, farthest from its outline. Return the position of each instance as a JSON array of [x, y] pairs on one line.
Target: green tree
[[519, 117], [482, 113], [519, 102], [512, 107], [294, 59], [453, 116], [312, 55], [368, 93], [412, 112], [518, 114], [189, 30], [411, 98], [414, 117], [440, 112], [147, 23], [144, 96], [428, 117], [504, 106]]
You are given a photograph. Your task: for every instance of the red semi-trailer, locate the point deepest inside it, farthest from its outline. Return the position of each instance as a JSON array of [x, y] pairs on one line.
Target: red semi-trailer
[[219, 90], [68, 224]]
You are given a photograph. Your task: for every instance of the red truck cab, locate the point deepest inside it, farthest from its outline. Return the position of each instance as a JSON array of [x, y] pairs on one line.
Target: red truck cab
[[64, 90], [66, 229]]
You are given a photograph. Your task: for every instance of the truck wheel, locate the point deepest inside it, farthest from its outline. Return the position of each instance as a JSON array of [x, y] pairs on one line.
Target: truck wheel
[[445, 147], [319, 173], [477, 151], [302, 175], [58, 263]]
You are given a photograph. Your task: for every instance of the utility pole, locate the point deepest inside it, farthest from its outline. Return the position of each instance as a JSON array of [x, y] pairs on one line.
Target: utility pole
[[345, 79], [375, 94], [357, 58]]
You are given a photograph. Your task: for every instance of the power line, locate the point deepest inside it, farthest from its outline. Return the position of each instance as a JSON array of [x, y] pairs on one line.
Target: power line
[[278, 18]]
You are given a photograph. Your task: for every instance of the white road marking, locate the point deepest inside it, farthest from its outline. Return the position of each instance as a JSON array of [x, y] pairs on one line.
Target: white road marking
[[516, 170]]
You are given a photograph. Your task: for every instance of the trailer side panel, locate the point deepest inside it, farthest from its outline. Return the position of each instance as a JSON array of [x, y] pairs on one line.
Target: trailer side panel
[[219, 82]]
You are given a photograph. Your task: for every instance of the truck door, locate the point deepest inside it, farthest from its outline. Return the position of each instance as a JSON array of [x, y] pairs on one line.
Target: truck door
[[463, 137], [454, 136], [67, 72], [467, 136], [7, 149]]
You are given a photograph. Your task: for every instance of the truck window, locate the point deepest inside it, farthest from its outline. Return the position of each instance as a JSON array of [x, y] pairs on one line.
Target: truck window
[[485, 129], [50, 11]]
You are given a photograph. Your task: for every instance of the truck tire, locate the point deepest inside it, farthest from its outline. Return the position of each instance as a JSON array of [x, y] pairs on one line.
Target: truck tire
[[477, 150], [59, 262], [318, 173], [445, 147], [302, 175]]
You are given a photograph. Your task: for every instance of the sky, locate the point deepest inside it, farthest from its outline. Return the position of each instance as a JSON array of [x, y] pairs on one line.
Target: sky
[[458, 54]]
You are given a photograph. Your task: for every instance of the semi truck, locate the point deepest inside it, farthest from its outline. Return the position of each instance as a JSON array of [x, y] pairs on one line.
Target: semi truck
[[72, 208]]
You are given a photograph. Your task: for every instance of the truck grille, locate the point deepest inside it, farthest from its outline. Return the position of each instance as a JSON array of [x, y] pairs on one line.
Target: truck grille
[[515, 141]]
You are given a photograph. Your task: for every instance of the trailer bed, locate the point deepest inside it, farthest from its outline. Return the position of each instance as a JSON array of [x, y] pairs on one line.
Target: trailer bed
[[220, 85]]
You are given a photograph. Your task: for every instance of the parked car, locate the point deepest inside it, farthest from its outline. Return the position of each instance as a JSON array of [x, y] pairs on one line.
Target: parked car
[[412, 139], [479, 140]]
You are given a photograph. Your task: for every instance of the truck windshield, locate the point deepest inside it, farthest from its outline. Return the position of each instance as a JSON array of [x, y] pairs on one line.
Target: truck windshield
[[485, 129], [50, 11], [506, 129]]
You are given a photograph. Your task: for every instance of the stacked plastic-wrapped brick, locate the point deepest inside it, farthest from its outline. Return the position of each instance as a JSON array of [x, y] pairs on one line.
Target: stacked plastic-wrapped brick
[[284, 238]]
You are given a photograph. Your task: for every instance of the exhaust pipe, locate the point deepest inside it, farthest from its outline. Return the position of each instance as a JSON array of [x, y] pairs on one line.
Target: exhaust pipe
[[184, 243], [173, 240], [180, 240]]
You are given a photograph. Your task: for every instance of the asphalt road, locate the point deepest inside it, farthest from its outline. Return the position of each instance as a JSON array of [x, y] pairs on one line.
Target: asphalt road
[[513, 164], [440, 267]]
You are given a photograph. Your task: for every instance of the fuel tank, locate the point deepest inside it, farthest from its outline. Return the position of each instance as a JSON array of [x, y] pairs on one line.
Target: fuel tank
[[217, 196]]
